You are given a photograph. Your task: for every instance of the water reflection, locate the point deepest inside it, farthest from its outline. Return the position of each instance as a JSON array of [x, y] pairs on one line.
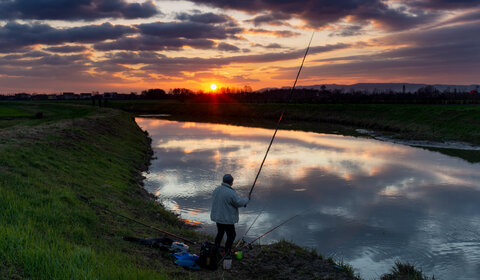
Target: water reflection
[[369, 202]]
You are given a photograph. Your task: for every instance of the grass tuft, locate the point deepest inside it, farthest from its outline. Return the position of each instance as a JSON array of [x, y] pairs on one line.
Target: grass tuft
[[405, 271]]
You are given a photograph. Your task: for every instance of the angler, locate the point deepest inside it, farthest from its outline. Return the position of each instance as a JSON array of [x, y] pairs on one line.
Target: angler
[[225, 206]]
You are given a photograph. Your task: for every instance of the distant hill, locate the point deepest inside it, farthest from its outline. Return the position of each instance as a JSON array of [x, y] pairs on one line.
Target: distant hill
[[384, 87]]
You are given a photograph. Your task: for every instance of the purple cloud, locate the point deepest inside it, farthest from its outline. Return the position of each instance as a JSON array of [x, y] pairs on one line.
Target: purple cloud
[[15, 36], [188, 30], [153, 43], [206, 18], [172, 36], [75, 10], [324, 12], [227, 47], [66, 49], [273, 18], [443, 4]]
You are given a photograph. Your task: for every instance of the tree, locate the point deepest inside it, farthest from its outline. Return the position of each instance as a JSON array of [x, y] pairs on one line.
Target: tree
[[154, 93]]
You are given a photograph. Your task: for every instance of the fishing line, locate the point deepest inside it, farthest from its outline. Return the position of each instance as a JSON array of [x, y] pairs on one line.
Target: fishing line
[[87, 200], [245, 234], [274, 228]]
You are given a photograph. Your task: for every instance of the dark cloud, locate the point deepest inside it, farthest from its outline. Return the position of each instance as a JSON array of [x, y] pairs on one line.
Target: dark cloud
[[41, 59], [75, 10], [172, 36], [67, 49], [324, 12], [25, 55], [276, 19], [350, 30], [152, 43], [275, 33], [389, 19], [443, 4], [207, 18], [188, 30], [273, 46], [15, 36], [269, 46], [227, 47]]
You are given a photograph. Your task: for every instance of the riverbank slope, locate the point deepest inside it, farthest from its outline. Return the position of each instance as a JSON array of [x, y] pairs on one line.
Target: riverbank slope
[[45, 164]]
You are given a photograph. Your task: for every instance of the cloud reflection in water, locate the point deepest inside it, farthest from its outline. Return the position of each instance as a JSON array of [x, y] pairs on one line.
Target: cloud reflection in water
[[369, 202]]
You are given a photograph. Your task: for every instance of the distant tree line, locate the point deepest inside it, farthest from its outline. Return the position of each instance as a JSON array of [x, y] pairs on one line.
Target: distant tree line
[[424, 95]]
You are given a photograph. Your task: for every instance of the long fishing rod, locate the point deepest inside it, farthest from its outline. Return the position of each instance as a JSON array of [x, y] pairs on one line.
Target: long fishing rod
[[87, 200], [275, 133], [281, 116]]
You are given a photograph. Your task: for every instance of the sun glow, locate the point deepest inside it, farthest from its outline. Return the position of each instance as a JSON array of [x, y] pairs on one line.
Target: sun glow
[[213, 87]]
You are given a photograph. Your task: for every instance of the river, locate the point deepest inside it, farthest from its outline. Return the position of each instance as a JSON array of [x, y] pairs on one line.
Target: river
[[366, 202]]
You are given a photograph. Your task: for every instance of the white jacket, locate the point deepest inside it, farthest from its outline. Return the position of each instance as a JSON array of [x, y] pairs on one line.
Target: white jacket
[[225, 205]]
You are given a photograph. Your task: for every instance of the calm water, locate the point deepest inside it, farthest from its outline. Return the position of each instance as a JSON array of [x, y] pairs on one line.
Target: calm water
[[367, 202]]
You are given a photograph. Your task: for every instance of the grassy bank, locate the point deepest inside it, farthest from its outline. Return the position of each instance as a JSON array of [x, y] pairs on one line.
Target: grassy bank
[[427, 122], [47, 232]]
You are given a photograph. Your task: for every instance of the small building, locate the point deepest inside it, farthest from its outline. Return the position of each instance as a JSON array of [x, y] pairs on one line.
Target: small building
[[39, 96], [85, 95], [69, 95], [22, 96], [110, 95]]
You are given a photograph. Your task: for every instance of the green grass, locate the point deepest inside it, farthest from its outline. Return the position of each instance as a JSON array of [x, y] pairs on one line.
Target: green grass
[[9, 111], [17, 113], [405, 271], [46, 231]]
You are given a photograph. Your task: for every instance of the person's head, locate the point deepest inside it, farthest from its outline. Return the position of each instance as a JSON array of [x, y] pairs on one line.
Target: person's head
[[227, 178]]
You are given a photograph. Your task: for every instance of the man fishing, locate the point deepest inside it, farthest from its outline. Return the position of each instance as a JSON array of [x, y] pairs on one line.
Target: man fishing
[[225, 211]]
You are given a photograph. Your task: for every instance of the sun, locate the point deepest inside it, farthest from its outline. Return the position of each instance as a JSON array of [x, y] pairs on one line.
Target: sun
[[213, 86]]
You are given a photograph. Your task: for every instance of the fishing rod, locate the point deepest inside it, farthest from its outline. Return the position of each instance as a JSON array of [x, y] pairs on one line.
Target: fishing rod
[[281, 116], [276, 129], [245, 234], [272, 229], [87, 200]]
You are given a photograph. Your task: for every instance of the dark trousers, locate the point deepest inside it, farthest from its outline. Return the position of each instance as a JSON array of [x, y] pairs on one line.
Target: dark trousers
[[221, 230]]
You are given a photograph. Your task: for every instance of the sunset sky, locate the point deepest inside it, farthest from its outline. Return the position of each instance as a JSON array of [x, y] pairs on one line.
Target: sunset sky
[[120, 45]]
